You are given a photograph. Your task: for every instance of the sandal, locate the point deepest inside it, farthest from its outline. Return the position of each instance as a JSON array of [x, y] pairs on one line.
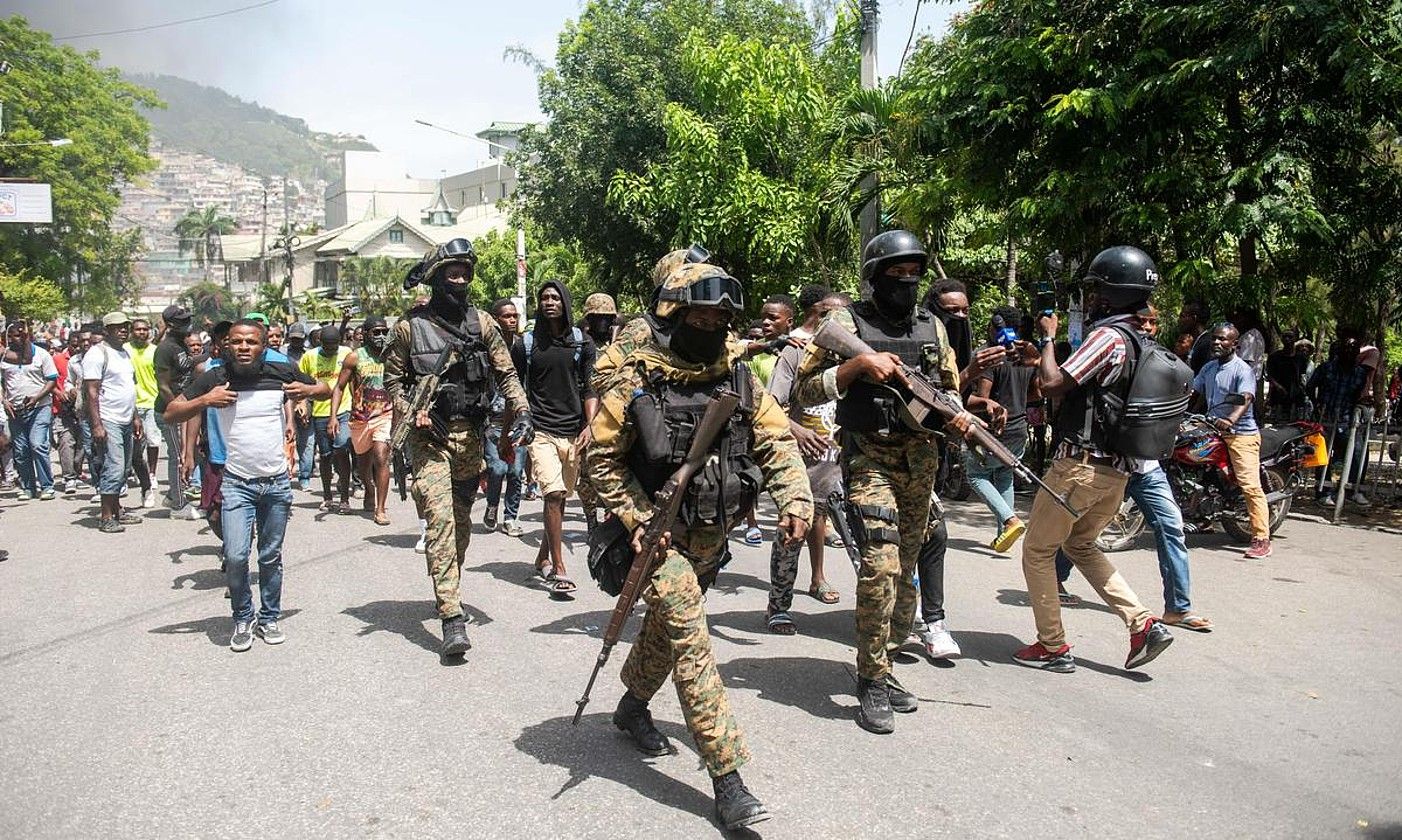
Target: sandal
[[1067, 599], [780, 623], [1189, 621], [381, 518], [754, 537], [825, 592], [559, 587]]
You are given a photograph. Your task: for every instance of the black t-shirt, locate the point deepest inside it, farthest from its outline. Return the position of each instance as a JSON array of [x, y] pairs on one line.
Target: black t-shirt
[[172, 356], [555, 385], [1282, 367], [1010, 383]]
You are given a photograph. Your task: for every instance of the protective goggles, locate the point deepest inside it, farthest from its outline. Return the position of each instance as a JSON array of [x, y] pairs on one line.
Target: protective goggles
[[717, 290]]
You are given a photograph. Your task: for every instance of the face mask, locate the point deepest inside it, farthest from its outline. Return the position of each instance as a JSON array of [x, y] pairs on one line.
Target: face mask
[[697, 346], [895, 299], [377, 342]]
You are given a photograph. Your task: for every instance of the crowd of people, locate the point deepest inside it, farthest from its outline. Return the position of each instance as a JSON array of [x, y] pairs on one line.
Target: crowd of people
[[604, 407]]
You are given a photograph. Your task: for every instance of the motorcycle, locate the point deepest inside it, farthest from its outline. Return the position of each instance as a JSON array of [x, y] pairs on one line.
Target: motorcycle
[[1200, 474]]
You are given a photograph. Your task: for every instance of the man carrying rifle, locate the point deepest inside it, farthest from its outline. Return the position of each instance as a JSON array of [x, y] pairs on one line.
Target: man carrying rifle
[[890, 468], [461, 346], [641, 435]]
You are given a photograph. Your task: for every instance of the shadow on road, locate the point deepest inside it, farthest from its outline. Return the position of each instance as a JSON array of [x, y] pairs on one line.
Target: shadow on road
[[729, 583], [834, 625], [803, 682], [178, 555], [998, 648], [408, 619], [978, 548], [1018, 598], [596, 748], [201, 580], [216, 629], [393, 540], [586, 623]]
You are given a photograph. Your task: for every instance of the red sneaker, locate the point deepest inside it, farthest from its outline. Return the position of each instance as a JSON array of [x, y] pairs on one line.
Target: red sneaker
[[1036, 655], [1148, 643], [1258, 550]]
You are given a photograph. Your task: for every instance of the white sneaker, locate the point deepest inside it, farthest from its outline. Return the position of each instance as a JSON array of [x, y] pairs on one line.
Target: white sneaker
[[189, 512], [148, 499], [422, 545], [96, 497], [937, 641], [512, 528]]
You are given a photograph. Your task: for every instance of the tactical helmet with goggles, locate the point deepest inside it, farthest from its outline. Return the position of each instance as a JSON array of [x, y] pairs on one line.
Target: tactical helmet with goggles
[[694, 284], [429, 269], [891, 248], [670, 262]]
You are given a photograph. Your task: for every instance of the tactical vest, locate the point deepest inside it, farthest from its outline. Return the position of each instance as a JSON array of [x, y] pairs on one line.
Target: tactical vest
[[464, 389], [1136, 416], [666, 415], [869, 407]]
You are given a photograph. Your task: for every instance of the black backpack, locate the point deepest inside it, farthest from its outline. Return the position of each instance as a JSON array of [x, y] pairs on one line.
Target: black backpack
[[1139, 417]]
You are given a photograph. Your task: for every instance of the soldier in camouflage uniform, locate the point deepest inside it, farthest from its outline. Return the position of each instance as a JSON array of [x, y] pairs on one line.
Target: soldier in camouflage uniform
[[889, 469], [675, 371], [445, 444]]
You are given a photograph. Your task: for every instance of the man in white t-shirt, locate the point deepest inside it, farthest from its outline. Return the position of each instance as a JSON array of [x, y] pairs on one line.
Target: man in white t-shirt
[[28, 377], [110, 382], [246, 393]]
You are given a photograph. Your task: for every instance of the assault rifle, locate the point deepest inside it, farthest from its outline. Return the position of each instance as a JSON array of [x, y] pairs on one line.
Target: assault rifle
[[840, 512], [669, 503], [425, 388], [400, 467], [925, 407]]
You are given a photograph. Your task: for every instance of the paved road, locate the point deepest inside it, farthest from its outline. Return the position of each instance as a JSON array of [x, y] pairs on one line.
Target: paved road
[[124, 714]]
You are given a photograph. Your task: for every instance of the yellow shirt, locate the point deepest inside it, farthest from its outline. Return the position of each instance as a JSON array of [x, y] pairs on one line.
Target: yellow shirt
[[322, 369], [144, 363]]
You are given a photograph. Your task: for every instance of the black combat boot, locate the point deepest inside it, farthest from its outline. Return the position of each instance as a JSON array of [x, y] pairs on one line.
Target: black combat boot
[[455, 641], [736, 807], [874, 713], [632, 717], [901, 700]]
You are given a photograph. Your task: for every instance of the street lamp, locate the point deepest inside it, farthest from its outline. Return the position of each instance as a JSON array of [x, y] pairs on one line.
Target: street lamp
[[62, 141]]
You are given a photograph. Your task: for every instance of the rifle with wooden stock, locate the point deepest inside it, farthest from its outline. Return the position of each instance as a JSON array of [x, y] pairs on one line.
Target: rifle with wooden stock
[[668, 505], [926, 408], [425, 388]]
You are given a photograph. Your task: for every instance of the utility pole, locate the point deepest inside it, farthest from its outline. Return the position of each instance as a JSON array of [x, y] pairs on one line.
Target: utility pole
[[263, 239], [287, 240], [871, 213], [521, 272]]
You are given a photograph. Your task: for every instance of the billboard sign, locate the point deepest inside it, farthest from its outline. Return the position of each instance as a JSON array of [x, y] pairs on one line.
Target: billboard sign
[[26, 203]]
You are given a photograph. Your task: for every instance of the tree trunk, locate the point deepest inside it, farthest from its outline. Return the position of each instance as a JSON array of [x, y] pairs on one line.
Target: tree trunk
[[939, 266], [1010, 285], [1244, 193]]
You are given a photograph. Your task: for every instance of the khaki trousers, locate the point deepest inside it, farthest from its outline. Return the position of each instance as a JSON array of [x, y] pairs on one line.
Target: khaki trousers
[[1244, 451], [1096, 491]]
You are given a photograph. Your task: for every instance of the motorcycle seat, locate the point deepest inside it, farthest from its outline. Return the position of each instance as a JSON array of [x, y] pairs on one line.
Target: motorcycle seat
[[1274, 437]]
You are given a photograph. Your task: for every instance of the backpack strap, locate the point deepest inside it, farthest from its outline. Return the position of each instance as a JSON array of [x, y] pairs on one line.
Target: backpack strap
[[528, 340]]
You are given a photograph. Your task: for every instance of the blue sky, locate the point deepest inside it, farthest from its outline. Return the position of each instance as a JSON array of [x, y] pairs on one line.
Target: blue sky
[[368, 67]]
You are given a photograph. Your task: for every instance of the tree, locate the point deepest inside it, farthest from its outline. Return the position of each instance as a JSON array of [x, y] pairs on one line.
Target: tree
[[53, 92], [615, 71], [495, 274], [209, 301], [199, 232], [29, 298], [377, 284]]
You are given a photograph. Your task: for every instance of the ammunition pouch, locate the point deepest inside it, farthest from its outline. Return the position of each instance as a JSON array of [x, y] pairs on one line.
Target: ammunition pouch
[[885, 531], [610, 555]]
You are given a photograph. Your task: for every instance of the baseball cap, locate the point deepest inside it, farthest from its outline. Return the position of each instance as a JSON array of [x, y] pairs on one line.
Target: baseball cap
[[176, 314], [114, 318], [297, 330]]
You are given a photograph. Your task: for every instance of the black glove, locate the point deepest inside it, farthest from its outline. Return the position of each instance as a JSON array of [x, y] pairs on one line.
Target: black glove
[[522, 430]]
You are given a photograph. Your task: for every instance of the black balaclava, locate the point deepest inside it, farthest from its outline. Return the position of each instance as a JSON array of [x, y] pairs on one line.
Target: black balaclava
[[448, 302], [701, 347], [961, 338]]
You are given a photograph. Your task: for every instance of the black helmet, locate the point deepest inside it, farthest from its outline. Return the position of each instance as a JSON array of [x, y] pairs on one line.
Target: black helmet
[[453, 251], [893, 246], [1123, 275]]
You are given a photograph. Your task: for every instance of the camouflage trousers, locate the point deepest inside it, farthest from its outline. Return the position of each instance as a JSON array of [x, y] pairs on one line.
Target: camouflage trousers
[[588, 496], [891, 485], [445, 483], [674, 638]]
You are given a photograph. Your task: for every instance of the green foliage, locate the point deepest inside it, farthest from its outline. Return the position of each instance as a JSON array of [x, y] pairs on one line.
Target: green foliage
[[495, 275], [616, 70], [207, 120], [29, 298], [56, 92], [314, 307], [199, 232], [271, 300], [209, 302], [377, 284]]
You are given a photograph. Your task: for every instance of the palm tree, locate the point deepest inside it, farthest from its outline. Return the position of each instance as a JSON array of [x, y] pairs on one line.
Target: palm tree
[[199, 232]]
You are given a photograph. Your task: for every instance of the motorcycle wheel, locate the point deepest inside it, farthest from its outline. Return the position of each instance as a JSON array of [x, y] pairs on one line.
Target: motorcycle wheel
[[1121, 532], [956, 482], [1238, 524]]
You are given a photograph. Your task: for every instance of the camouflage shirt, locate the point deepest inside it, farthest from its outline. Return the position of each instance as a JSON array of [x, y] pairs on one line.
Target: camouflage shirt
[[399, 374], [816, 383], [774, 448]]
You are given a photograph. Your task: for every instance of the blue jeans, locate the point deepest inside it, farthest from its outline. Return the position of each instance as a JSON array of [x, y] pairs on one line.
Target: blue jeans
[[1152, 493], [497, 469], [306, 452], [325, 446], [30, 432], [268, 503], [115, 458], [993, 481]]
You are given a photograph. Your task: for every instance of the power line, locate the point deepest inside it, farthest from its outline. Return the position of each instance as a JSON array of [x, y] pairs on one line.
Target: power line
[[167, 23], [913, 18]]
